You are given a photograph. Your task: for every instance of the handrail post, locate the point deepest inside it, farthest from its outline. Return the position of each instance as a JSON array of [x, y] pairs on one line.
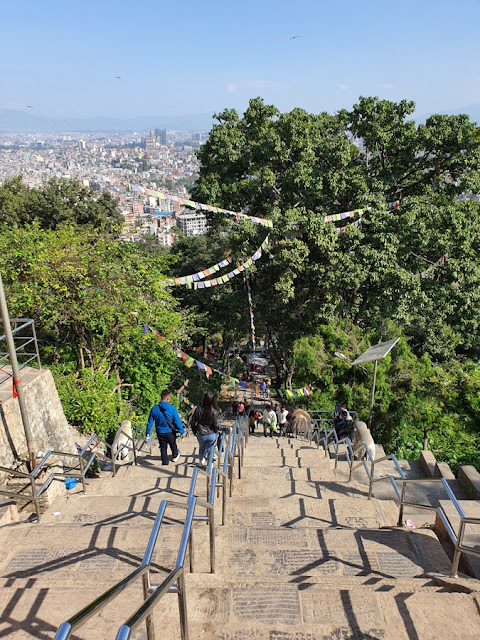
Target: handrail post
[[35, 499], [458, 551], [370, 484], [182, 606], [211, 524], [231, 474], [112, 458], [400, 513], [149, 619], [224, 499], [134, 449], [84, 488], [191, 551], [239, 460]]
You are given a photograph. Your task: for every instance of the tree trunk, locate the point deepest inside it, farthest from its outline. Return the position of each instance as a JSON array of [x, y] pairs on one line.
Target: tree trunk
[[425, 440], [81, 359]]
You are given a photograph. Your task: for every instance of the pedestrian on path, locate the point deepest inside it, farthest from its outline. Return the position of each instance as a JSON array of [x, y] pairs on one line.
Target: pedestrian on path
[[263, 389], [167, 425], [205, 426], [269, 421], [241, 409], [282, 420], [252, 420]]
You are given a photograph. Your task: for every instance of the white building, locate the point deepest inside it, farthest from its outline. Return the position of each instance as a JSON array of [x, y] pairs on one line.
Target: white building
[[192, 224]]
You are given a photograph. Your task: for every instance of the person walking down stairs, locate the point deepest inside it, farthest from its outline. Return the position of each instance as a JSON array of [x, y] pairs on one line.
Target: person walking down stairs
[[205, 426], [269, 421], [167, 425]]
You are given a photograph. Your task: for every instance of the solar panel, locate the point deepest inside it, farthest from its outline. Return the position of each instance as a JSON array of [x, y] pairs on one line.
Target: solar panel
[[377, 352]]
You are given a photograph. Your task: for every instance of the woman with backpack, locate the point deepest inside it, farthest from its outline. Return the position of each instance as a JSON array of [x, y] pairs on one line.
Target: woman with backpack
[[205, 426]]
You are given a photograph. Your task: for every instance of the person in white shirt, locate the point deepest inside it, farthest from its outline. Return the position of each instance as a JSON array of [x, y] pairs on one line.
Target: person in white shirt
[[269, 419], [282, 415]]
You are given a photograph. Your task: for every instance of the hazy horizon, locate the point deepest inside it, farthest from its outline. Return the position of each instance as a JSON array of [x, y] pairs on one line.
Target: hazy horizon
[[118, 60]]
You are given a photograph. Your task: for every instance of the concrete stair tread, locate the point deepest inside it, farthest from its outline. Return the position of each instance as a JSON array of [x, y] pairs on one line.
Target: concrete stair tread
[[245, 611], [284, 487], [278, 552], [296, 511]]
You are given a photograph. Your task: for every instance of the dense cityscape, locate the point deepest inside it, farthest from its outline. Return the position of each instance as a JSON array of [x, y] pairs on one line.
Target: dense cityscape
[[113, 163]]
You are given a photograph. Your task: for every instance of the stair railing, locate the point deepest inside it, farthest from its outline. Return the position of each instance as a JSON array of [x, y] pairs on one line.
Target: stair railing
[[76, 621], [231, 447], [31, 478], [456, 538]]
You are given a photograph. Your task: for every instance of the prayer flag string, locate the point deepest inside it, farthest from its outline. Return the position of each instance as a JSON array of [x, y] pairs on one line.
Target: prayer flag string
[[196, 281], [250, 308]]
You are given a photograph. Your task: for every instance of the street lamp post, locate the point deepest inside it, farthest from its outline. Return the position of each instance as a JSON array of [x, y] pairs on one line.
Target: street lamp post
[[372, 394], [16, 376], [372, 354]]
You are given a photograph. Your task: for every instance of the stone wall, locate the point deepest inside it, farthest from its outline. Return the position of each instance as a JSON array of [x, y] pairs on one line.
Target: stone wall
[[47, 420]]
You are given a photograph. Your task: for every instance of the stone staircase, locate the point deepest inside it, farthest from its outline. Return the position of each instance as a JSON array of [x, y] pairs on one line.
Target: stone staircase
[[304, 556]]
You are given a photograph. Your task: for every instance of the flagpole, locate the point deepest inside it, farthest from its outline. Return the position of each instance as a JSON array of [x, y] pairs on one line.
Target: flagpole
[[16, 376]]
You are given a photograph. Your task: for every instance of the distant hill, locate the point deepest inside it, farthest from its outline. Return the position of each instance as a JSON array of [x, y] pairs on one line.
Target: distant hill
[[12, 121], [472, 110]]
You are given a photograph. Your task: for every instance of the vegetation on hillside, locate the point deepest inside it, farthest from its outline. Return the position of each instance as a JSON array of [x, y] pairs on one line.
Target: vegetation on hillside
[[409, 269]]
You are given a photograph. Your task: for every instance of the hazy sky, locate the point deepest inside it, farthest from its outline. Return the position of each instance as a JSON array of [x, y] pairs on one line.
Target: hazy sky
[[198, 56]]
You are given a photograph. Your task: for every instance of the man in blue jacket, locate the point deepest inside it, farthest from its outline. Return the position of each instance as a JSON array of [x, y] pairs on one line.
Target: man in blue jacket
[[161, 414]]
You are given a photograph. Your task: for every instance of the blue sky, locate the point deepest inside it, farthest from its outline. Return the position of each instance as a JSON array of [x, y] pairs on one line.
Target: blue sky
[[198, 56]]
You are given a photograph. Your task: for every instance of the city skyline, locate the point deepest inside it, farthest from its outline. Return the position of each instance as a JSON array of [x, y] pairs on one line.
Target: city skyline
[[118, 60]]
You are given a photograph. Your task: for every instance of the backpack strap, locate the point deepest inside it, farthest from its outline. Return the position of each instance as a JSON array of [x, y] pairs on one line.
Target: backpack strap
[[168, 421]]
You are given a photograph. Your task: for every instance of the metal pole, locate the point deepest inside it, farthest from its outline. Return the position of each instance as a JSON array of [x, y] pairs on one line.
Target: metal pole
[[16, 376], [182, 606], [372, 394], [150, 627]]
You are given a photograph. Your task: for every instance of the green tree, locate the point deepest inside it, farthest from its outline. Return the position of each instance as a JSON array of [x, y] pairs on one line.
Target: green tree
[[58, 202], [90, 296]]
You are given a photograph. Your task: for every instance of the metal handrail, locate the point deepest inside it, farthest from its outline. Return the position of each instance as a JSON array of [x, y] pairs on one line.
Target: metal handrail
[[456, 538], [77, 620], [32, 476], [175, 581]]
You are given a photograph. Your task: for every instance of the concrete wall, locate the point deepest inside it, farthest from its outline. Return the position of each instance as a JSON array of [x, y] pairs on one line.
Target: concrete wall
[[47, 420], [469, 480]]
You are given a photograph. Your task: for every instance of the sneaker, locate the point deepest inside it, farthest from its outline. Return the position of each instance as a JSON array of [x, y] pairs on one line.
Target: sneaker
[[203, 462], [215, 458], [177, 457]]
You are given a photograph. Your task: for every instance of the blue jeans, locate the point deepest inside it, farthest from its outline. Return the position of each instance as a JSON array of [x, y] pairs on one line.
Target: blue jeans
[[206, 444]]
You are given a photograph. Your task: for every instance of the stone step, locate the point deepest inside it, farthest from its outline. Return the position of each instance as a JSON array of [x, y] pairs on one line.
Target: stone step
[[30, 611], [78, 556], [100, 510], [247, 611], [282, 486], [296, 511], [278, 552], [242, 610]]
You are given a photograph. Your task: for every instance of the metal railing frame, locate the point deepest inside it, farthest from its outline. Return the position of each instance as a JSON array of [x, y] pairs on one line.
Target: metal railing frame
[[27, 340], [55, 475], [216, 478], [456, 538]]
